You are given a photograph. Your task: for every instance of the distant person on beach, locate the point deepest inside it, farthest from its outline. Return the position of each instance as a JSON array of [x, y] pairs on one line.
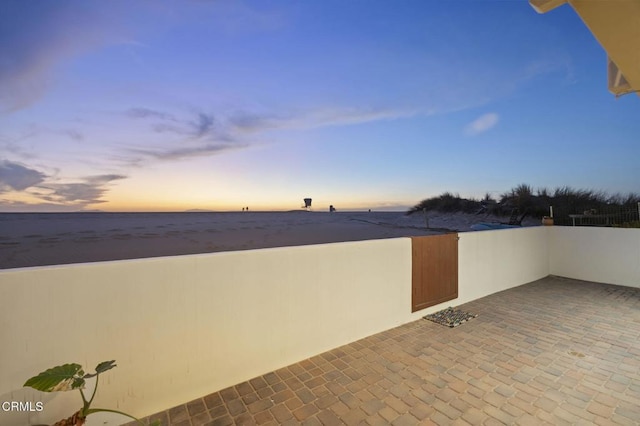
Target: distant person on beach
[[332, 209]]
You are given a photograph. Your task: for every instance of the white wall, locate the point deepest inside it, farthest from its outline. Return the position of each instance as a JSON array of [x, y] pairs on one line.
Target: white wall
[[608, 255], [493, 261], [183, 327]]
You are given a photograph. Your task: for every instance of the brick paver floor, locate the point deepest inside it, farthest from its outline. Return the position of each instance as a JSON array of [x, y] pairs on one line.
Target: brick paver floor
[[554, 351]]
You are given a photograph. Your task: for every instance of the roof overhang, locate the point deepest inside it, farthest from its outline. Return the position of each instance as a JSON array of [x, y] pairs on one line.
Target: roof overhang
[[616, 26]]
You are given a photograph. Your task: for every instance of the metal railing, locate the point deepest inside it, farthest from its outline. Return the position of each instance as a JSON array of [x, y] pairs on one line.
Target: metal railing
[[614, 216]]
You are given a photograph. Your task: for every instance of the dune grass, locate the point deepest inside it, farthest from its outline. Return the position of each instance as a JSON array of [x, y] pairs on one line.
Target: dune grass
[[565, 201]]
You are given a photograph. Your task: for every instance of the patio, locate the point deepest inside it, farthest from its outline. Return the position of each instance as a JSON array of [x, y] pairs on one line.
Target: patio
[[557, 350]]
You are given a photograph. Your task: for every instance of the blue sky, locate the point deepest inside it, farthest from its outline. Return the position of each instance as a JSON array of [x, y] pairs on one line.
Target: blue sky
[[147, 106]]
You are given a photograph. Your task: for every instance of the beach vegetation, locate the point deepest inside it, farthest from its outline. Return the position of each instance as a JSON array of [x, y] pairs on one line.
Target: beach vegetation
[[71, 377], [448, 203], [537, 202]]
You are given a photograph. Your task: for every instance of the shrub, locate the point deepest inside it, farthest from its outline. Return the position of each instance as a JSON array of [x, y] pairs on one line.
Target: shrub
[[565, 201]]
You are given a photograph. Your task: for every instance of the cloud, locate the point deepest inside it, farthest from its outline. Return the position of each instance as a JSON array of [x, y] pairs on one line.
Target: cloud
[[103, 179], [347, 116], [314, 118], [203, 135], [17, 177], [163, 122], [90, 191], [250, 122], [203, 125], [188, 152], [15, 143], [38, 37], [75, 135], [149, 113], [214, 137], [200, 127], [37, 185], [482, 124], [229, 128]]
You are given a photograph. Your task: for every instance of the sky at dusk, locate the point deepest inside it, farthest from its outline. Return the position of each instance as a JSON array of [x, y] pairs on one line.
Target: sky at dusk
[[195, 104]]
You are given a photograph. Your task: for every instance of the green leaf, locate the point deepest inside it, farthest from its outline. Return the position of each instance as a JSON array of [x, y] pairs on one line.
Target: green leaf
[[104, 366], [101, 368], [61, 378]]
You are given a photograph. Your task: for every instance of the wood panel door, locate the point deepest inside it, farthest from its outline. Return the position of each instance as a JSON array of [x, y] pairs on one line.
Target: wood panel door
[[434, 270]]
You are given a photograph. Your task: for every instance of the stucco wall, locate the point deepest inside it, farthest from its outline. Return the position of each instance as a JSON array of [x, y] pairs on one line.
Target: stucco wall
[[493, 261], [608, 255], [182, 327]]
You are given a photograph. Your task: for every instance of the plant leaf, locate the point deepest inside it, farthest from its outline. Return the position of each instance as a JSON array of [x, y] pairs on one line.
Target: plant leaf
[[101, 368], [61, 378], [104, 366]]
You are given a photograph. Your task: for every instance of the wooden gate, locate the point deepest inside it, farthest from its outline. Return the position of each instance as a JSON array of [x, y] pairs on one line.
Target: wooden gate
[[434, 270]]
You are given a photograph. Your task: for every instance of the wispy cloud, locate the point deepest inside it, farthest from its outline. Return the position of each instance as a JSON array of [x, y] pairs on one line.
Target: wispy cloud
[[187, 152], [552, 63], [103, 179], [74, 134], [313, 118], [89, 191], [482, 124], [203, 135], [149, 113], [199, 136], [201, 126], [14, 144], [347, 116], [29, 61], [18, 177]]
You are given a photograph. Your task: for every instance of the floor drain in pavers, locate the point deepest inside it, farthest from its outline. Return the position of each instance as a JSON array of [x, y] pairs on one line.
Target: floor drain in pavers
[[578, 354], [450, 317]]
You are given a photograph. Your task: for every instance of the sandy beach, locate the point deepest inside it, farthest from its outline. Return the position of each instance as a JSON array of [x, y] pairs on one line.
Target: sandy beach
[[37, 239]]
